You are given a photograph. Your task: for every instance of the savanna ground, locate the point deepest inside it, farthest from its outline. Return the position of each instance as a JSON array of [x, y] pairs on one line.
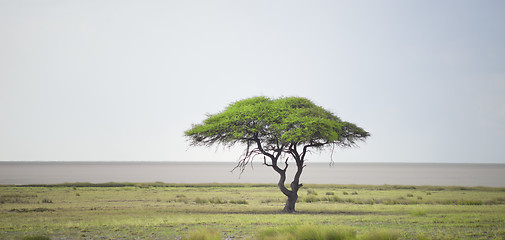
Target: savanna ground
[[238, 211]]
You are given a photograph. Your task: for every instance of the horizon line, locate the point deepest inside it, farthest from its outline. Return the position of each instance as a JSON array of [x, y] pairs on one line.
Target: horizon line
[[170, 161]]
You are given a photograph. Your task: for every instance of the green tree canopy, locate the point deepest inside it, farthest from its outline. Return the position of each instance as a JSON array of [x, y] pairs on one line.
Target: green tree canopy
[[276, 127], [278, 122]]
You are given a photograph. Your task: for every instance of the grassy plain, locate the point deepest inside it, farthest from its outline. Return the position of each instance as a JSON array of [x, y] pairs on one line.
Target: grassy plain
[[174, 211]]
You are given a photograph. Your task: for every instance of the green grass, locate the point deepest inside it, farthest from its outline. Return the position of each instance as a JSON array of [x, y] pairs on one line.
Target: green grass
[[249, 211], [203, 234], [381, 234], [35, 238], [308, 232]]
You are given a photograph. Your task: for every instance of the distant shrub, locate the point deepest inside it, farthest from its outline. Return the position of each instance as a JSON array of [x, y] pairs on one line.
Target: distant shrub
[[45, 200], [330, 193], [180, 198], [419, 213], [461, 202], [410, 195], [333, 199], [345, 193], [200, 200], [24, 210], [217, 201], [242, 201], [471, 202], [310, 199], [498, 200]]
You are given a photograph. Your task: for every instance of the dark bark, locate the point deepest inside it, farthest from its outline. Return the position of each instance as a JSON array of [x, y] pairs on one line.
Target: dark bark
[[291, 194], [290, 203], [292, 197], [295, 185]]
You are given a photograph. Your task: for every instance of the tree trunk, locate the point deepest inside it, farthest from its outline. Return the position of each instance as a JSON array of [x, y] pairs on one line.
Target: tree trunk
[[293, 193], [292, 196], [290, 203], [295, 185]]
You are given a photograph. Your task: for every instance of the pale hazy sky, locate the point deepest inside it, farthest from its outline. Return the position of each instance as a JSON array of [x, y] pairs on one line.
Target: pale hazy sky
[[122, 80]]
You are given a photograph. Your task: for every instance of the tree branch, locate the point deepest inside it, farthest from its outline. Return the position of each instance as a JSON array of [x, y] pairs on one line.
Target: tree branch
[[306, 147], [286, 164], [265, 162], [260, 148], [248, 155]]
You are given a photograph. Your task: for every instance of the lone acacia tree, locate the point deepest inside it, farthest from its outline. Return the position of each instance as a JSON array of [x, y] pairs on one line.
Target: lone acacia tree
[[276, 129]]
